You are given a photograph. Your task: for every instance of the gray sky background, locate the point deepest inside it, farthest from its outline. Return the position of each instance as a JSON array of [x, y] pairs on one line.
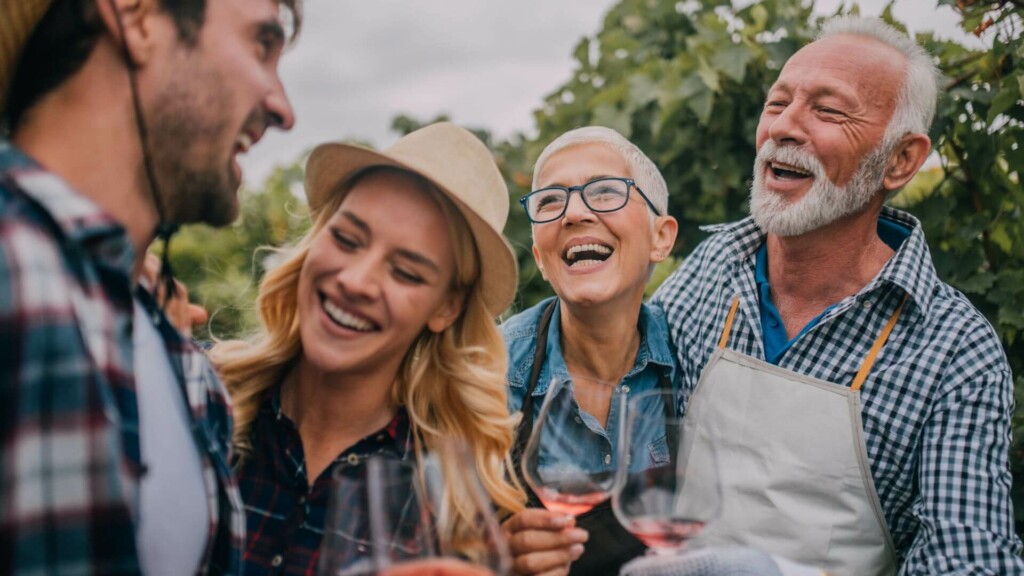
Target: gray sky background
[[486, 64]]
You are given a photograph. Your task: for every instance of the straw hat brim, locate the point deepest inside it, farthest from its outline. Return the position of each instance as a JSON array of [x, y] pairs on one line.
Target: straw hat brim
[[18, 18], [331, 165]]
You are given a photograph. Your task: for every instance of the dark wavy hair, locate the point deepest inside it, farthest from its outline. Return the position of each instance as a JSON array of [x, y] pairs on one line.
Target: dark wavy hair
[[67, 34]]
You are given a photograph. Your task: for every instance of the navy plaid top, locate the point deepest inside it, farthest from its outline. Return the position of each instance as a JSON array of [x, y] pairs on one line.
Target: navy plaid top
[[70, 464], [936, 405], [285, 515]]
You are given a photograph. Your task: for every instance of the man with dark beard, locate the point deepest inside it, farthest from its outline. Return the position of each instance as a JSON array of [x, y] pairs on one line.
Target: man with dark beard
[[860, 407], [125, 118]]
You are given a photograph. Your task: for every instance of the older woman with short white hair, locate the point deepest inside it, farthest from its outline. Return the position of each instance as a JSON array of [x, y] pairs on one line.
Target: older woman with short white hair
[[597, 251]]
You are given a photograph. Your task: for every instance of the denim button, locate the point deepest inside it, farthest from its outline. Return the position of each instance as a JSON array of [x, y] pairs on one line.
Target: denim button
[[276, 561], [607, 458]]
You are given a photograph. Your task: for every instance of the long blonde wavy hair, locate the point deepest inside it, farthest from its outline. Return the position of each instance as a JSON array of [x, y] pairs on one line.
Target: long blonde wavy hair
[[452, 383]]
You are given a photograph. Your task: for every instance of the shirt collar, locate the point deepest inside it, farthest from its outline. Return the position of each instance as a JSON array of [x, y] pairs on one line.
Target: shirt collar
[[654, 347], [910, 269], [394, 438], [78, 217]]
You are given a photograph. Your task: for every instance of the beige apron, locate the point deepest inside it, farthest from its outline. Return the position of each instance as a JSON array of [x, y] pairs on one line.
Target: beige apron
[[795, 478]]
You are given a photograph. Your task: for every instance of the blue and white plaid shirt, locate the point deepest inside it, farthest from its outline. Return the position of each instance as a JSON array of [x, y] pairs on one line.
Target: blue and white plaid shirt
[[70, 465], [936, 406]]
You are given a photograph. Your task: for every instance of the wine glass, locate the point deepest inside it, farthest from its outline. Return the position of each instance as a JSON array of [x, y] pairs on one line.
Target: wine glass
[[378, 515], [667, 486], [463, 517], [570, 459]]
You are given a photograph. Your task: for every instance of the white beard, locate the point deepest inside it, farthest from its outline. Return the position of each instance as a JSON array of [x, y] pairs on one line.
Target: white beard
[[824, 203]]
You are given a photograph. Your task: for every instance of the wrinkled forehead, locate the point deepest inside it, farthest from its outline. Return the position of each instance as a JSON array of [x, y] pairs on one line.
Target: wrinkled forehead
[[852, 61], [858, 69]]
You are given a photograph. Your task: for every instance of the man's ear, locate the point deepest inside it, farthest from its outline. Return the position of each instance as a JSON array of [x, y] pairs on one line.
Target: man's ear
[[906, 160], [663, 237], [540, 265], [447, 313], [131, 23]]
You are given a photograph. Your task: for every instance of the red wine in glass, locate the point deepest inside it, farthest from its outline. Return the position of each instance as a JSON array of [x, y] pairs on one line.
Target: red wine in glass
[[664, 533]]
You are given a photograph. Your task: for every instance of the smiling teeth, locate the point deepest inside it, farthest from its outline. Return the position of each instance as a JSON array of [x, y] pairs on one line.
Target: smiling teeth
[[571, 254], [789, 168], [345, 319], [244, 142]]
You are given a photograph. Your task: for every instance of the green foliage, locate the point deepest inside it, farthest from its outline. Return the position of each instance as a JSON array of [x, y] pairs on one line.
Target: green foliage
[[222, 267]]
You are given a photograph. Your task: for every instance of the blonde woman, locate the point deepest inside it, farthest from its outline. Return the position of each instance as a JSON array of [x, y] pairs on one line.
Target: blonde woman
[[378, 336]]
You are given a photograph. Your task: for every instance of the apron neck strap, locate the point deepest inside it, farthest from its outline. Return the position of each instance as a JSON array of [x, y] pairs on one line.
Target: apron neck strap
[[865, 368], [728, 323], [869, 361]]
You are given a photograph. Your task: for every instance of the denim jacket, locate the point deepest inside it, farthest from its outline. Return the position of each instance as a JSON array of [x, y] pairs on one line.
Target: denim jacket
[[654, 358]]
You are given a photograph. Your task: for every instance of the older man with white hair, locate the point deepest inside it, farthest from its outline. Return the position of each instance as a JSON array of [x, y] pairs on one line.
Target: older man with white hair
[[860, 407]]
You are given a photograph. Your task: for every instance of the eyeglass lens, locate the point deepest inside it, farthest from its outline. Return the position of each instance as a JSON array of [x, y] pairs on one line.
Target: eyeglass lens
[[600, 196]]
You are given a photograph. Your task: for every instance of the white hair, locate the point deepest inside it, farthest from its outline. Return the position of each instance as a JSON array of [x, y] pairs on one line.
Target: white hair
[[915, 107], [646, 174]]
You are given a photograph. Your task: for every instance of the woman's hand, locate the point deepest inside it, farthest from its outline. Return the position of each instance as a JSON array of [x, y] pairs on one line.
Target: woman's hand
[[543, 542]]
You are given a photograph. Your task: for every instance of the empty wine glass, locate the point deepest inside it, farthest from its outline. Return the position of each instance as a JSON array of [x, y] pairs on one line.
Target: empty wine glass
[[378, 515], [464, 520], [669, 490], [570, 459]]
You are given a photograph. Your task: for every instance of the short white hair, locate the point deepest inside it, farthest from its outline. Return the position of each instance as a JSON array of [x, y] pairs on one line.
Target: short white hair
[[915, 106], [645, 173]]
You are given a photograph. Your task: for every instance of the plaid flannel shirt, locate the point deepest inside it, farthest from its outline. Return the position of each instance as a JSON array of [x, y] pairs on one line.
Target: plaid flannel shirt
[[936, 406], [286, 514], [70, 465]]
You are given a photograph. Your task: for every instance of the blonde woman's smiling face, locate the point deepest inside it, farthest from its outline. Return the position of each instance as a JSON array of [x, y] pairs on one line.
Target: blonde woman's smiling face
[[375, 277]]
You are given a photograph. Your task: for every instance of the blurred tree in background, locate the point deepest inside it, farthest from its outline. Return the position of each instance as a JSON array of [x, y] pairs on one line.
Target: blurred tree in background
[[685, 80]]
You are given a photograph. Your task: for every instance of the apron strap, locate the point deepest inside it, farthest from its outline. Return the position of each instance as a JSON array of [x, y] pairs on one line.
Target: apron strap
[[869, 361], [526, 422], [865, 368], [728, 323]]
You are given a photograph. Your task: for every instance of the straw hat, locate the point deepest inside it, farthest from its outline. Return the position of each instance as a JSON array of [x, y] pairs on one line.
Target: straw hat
[[461, 166], [17, 20]]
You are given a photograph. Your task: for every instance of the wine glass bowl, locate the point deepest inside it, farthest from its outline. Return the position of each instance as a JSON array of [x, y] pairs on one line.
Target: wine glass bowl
[[385, 512], [569, 460], [377, 516], [669, 501], [465, 524]]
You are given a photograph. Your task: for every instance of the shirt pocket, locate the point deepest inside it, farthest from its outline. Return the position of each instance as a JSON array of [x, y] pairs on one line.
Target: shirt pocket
[[658, 451]]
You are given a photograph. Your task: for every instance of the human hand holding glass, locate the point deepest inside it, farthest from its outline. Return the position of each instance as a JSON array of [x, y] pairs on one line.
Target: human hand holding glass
[[572, 473], [668, 502]]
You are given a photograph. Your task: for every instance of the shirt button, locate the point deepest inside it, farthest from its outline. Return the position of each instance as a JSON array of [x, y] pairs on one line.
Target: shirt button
[[868, 304], [625, 389], [773, 323], [276, 561], [353, 459], [607, 458], [578, 420]]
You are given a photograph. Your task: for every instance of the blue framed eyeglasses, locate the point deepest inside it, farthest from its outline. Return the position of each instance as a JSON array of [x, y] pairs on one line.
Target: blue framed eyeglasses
[[601, 195]]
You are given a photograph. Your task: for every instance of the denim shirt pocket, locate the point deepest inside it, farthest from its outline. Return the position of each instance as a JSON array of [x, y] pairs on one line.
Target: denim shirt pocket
[[659, 451]]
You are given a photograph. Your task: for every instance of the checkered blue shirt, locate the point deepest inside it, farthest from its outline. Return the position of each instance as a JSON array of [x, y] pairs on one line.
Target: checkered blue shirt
[[936, 406], [70, 461]]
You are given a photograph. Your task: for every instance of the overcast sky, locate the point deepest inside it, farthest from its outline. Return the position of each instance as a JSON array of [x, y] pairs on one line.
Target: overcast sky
[[485, 63]]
